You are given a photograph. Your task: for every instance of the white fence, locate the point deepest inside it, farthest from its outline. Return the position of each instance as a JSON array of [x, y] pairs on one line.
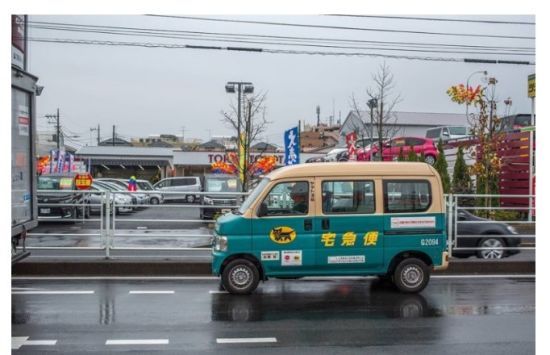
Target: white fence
[[471, 229]]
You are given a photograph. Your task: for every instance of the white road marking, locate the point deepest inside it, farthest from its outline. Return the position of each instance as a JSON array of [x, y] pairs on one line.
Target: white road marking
[[212, 292], [115, 278], [319, 278], [18, 342], [245, 340], [515, 276], [137, 342], [147, 292], [52, 292]]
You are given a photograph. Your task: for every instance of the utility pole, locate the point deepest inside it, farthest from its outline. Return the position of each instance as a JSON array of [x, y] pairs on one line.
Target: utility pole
[[318, 111], [98, 133], [57, 127], [113, 135]]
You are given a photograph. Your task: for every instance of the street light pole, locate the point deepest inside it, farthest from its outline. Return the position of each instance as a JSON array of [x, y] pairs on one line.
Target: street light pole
[[484, 72], [242, 88]]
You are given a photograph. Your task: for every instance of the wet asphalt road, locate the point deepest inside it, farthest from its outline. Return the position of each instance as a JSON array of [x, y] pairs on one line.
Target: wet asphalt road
[[310, 316]]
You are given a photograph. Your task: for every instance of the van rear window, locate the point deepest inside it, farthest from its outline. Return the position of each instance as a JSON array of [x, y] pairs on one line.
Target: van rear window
[[402, 196]]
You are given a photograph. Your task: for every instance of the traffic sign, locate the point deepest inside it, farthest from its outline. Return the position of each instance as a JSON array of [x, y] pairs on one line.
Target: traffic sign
[[83, 181], [531, 79]]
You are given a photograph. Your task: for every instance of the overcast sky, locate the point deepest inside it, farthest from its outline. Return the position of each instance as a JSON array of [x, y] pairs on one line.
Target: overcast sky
[[147, 91]]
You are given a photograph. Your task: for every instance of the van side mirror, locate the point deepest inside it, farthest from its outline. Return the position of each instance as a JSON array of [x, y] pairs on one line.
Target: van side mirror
[[446, 133], [262, 211]]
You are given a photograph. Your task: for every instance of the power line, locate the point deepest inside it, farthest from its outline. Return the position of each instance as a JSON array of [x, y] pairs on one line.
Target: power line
[[344, 27], [114, 29], [439, 19], [265, 50], [481, 50]]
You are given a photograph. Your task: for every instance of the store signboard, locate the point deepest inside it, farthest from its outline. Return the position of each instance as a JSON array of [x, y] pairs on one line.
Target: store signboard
[[18, 41]]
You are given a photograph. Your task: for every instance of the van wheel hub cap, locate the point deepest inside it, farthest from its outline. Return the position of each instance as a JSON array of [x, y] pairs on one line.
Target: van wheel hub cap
[[412, 276], [241, 276]]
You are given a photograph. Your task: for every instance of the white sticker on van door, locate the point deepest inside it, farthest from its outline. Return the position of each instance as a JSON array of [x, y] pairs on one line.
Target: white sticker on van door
[[291, 258], [270, 255], [413, 222], [346, 259]]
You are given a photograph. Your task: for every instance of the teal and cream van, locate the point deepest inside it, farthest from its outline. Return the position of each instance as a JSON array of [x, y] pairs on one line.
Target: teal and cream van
[[336, 219]]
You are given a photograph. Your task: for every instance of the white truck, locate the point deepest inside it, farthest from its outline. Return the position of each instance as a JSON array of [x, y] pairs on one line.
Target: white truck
[[24, 89]]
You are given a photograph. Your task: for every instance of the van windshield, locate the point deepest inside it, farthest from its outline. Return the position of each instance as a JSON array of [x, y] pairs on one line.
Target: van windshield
[[458, 131], [253, 195]]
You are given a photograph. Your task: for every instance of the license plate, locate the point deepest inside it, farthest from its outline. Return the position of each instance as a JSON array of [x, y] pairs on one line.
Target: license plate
[[44, 210], [225, 210]]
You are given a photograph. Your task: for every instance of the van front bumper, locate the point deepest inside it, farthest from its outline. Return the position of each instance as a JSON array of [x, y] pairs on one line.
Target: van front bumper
[[444, 262], [217, 260]]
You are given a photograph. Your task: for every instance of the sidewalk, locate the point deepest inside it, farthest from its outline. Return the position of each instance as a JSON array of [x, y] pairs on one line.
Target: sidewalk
[[114, 267]]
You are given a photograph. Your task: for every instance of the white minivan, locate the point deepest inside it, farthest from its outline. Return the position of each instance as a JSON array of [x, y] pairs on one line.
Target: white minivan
[[178, 185], [446, 133]]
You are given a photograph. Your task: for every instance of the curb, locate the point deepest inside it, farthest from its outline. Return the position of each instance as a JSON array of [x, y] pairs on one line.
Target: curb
[[172, 268]]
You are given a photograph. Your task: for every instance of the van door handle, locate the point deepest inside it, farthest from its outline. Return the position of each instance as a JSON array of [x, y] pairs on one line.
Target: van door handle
[[308, 225], [325, 223]]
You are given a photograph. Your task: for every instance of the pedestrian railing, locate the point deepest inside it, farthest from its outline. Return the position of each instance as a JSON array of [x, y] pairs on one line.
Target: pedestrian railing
[[486, 226], [114, 220]]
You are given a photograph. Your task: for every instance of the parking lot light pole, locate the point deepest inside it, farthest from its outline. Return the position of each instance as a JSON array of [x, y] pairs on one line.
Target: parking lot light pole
[[242, 88], [484, 72]]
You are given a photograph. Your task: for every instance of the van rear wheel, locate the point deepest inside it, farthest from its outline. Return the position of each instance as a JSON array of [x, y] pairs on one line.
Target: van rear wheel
[[411, 275], [240, 277]]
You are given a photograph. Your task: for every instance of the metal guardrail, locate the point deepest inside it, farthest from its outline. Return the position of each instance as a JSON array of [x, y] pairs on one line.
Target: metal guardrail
[[499, 236], [110, 216]]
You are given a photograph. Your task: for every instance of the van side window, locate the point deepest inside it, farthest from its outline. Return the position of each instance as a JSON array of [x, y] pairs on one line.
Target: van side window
[[287, 198], [348, 197], [407, 195]]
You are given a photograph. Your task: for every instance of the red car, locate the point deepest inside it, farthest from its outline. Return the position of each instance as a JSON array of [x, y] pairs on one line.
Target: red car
[[393, 147]]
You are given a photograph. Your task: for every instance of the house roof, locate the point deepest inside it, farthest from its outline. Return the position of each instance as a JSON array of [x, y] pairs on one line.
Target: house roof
[[212, 144], [123, 151], [419, 118]]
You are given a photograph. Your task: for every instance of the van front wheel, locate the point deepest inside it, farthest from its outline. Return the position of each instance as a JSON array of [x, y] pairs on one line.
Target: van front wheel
[[240, 277], [411, 275]]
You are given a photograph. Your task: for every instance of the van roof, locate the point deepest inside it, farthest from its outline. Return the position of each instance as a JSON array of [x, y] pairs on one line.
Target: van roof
[[354, 169]]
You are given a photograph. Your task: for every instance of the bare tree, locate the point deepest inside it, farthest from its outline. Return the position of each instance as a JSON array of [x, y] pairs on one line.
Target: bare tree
[[383, 103], [251, 125]]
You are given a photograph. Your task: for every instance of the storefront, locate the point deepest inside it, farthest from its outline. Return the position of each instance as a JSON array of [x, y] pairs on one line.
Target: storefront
[[147, 163], [199, 163]]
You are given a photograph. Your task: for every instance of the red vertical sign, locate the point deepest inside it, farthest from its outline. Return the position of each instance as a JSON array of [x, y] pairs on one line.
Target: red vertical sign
[[351, 139]]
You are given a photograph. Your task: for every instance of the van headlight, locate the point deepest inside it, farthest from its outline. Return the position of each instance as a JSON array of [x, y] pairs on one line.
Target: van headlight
[[220, 243]]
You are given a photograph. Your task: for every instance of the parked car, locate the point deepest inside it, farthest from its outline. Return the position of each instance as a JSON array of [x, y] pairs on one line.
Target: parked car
[[214, 184], [141, 199], [493, 235], [188, 184], [96, 199], [315, 160], [334, 154], [154, 197], [514, 122], [72, 204], [447, 132], [392, 148], [118, 191]]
